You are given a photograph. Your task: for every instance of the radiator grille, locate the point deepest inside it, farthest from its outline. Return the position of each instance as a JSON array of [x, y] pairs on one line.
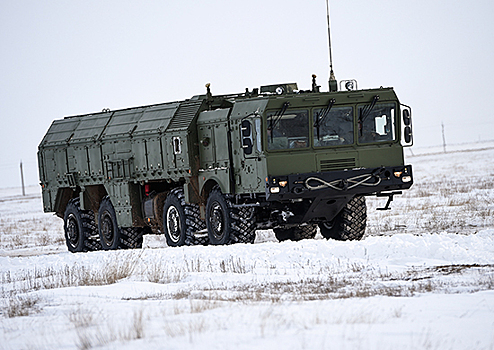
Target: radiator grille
[[337, 164]]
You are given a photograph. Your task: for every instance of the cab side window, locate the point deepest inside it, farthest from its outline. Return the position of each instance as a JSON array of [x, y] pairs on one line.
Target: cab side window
[[377, 124]]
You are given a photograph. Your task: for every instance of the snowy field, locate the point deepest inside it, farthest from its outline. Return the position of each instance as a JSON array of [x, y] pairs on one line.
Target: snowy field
[[422, 278]]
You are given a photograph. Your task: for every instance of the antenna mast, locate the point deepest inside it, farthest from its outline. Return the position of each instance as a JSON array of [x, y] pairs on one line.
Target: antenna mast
[[333, 84]]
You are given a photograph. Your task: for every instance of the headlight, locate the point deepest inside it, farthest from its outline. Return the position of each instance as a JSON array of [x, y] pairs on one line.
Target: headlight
[[406, 178], [274, 190]]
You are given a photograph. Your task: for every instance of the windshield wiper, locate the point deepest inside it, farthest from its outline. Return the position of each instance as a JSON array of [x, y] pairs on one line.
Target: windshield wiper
[[364, 113], [275, 119], [324, 113]]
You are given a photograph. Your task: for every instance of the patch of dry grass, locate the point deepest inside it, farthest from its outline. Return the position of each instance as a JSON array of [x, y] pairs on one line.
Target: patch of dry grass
[[233, 265], [357, 283], [82, 318], [91, 332], [31, 232], [117, 267], [18, 305], [463, 205], [189, 328], [159, 272]]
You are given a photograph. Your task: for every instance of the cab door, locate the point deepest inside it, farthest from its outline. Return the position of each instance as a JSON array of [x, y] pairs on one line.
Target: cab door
[[249, 169]]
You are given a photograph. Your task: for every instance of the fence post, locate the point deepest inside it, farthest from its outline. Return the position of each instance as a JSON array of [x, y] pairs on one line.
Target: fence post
[[22, 181]]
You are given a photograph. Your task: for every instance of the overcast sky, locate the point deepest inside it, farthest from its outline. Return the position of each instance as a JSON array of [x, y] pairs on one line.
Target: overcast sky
[[61, 58]]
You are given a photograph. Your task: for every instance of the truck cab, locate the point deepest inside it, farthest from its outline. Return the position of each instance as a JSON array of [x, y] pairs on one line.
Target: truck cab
[[299, 158]]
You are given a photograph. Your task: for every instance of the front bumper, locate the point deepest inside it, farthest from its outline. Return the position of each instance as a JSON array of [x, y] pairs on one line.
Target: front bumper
[[366, 181]]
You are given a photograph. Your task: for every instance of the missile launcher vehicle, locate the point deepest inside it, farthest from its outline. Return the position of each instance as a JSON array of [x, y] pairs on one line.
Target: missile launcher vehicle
[[214, 169]]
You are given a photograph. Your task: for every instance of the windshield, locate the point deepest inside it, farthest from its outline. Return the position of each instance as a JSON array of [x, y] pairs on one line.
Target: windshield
[[377, 125], [291, 130], [336, 128]]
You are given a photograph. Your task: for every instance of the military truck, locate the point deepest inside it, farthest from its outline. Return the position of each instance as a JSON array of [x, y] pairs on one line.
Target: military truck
[[214, 169]]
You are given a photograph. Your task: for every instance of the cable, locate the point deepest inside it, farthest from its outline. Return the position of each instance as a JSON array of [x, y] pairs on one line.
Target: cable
[[334, 184]]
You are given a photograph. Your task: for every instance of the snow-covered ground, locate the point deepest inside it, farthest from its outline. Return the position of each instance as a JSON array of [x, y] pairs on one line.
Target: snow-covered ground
[[422, 278]]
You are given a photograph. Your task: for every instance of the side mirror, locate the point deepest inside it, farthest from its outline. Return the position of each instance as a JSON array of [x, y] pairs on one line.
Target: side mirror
[[406, 127], [407, 119], [407, 134], [247, 146], [246, 132], [246, 128]]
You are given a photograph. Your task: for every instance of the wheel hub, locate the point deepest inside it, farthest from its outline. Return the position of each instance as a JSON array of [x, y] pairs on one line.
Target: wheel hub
[[107, 228], [217, 220], [173, 223], [72, 230]]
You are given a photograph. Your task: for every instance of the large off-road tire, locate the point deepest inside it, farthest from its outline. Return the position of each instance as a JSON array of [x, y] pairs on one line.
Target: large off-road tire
[[228, 224], [181, 220], [349, 224], [131, 237], [109, 232], [243, 224], [295, 233], [306, 232], [80, 228], [218, 218]]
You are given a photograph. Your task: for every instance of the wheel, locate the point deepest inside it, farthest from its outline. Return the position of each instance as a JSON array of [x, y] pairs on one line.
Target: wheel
[[174, 224], [306, 232], [181, 220], [349, 224], [109, 232], [74, 231], [132, 237], [218, 219], [243, 225], [79, 228], [228, 224], [295, 233]]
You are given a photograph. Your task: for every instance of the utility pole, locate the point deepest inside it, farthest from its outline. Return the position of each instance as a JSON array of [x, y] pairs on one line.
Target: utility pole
[[444, 138], [22, 181]]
